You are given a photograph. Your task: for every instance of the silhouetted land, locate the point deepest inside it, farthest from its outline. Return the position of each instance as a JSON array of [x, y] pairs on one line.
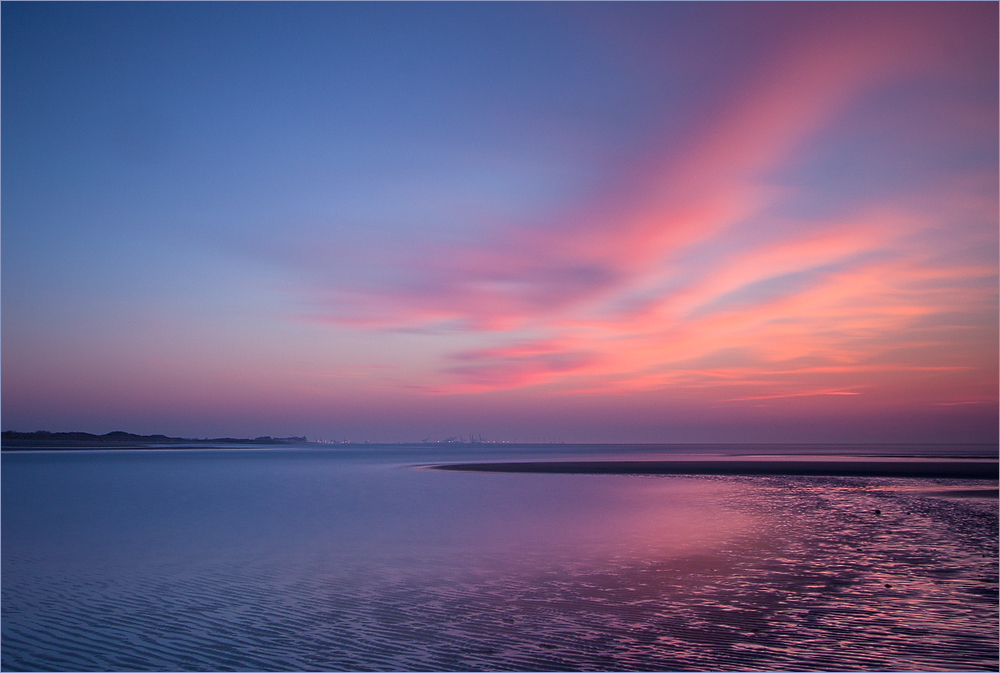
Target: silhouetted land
[[42, 440], [953, 469]]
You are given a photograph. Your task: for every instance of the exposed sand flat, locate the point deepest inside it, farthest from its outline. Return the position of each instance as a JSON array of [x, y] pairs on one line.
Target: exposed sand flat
[[954, 469], [361, 562]]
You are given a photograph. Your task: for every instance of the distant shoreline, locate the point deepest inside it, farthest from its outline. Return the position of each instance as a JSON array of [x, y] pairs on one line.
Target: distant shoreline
[[945, 468], [12, 441], [74, 441]]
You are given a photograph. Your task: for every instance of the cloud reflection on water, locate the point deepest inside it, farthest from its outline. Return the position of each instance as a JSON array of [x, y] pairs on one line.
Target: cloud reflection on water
[[288, 560]]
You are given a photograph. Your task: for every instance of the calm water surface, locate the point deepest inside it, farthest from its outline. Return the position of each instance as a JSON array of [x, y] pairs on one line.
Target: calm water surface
[[354, 559]]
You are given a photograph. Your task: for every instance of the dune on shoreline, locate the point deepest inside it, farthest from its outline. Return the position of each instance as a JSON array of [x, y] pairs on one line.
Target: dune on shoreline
[[952, 469]]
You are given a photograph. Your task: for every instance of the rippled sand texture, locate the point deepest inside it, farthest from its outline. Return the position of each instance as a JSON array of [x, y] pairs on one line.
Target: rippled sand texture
[[815, 580]]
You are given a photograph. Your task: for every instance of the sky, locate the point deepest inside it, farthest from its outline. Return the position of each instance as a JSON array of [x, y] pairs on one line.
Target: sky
[[579, 222]]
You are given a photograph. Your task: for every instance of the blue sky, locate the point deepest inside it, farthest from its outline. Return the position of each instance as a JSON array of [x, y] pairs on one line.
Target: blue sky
[[387, 221]]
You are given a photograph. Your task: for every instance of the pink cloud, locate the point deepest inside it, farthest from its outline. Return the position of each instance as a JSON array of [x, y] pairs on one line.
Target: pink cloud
[[815, 302], [515, 366]]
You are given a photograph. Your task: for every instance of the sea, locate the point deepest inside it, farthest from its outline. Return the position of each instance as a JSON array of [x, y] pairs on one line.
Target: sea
[[361, 558]]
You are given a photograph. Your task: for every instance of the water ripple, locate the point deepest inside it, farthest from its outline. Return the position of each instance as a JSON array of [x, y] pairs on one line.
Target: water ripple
[[820, 582]]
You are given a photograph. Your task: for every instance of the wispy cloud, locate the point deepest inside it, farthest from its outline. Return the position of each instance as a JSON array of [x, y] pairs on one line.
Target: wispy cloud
[[695, 258]]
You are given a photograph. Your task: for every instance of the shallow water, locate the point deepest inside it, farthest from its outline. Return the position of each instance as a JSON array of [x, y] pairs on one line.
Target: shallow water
[[352, 559]]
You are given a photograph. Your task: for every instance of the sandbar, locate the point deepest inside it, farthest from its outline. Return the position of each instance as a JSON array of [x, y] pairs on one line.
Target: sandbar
[[950, 469]]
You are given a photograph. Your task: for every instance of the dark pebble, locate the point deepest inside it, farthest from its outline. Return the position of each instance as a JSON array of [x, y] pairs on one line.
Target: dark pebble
[[878, 512], [888, 586]]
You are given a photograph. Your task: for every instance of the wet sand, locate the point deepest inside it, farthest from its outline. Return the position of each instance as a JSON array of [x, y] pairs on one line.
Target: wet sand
[[292, 560], [950, 469]]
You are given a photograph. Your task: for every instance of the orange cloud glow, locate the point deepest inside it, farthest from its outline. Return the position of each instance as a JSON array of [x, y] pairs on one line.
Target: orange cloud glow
[[693, 272]]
